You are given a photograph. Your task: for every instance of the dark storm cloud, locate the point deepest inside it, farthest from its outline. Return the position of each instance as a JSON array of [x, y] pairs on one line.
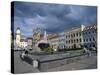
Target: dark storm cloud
[[51, 17]]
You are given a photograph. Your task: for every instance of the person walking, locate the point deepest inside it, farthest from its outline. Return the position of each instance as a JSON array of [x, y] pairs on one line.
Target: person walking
[[87, 51]]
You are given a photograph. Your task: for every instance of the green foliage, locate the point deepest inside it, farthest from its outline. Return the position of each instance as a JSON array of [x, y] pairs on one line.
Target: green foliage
[[48, 49], [45, 47]]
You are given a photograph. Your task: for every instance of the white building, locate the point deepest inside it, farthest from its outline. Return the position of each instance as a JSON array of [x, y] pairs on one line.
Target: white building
[[23, 43], [74, 37]]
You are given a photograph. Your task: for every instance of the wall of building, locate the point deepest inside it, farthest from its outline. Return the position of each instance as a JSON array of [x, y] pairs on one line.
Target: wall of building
[[90, 36], [74, 38], [61, 44]]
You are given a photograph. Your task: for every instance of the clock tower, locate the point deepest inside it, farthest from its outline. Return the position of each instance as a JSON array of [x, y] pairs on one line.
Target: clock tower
[[18, 36]]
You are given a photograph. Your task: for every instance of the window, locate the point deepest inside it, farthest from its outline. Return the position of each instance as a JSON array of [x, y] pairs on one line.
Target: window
[[93, 39], [69, 36], [89, 32], [77, 40], [80, 40], [93, 31], [74, 40], [66, 42], [76, 34], [90, 45], [85, 32], [86, 40], [69, 41], [79, 33], [90, 39], [93, 45], [66, 36]]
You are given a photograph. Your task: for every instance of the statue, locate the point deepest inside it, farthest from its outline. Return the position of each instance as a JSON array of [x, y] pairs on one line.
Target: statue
[[44, 44]]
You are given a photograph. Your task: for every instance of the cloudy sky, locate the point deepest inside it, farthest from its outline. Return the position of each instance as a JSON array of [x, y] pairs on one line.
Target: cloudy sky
[[53, 18]]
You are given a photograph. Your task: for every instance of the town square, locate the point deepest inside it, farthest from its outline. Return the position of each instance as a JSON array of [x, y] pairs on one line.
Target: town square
[[53, 37]]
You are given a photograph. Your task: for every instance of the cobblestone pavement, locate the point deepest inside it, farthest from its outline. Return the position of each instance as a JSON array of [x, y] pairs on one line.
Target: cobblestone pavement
[[85, 63], [21, 66]]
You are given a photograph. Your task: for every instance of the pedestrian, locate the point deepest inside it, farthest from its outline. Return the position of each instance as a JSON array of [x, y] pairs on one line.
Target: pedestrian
[[87, 51], [22, 55]]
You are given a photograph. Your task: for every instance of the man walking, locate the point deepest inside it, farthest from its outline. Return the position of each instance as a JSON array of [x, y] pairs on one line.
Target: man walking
[[87, 51]]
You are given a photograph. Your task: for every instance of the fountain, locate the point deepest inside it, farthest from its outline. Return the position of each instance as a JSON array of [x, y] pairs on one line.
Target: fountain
[[44, 44]]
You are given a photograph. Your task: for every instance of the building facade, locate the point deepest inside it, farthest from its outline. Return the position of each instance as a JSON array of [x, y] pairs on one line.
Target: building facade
[[53, 39], [70, 39], [19, 42], [29, 43], [23, 43], [18, 36], [90, 36], [74, 38], [61, 44], [83, 36]]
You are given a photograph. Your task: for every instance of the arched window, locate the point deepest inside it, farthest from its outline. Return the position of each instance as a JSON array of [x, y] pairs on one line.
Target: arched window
[[76, 34]]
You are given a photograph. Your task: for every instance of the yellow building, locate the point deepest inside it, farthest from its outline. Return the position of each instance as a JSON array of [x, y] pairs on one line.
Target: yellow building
[[53, 40]]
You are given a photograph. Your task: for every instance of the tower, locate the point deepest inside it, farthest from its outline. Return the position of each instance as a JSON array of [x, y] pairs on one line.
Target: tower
[[18, 34]]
